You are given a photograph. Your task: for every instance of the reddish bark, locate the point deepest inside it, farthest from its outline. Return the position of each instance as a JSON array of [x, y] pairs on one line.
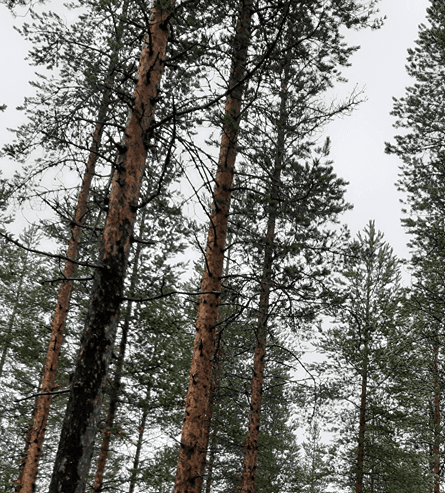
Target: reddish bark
[[251, 446], [36, 435], [205, 436], [79, 428], [192, 456], [252, 438], [253, 431]]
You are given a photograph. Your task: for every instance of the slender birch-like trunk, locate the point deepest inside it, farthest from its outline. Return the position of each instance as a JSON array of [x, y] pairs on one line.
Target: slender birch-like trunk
[[192, 455], [79, 428], [115, 390], [252, 438], [35, 438]]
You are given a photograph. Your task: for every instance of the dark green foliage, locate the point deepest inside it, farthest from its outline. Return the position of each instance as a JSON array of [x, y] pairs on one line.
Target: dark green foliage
[[366, 346], [27, 300]]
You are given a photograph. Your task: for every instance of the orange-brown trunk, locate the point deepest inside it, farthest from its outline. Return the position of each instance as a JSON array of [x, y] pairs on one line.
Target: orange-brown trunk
[[36, 435], [253, 431], [79, 428], [205, 436], [251, 446], [192, 456]]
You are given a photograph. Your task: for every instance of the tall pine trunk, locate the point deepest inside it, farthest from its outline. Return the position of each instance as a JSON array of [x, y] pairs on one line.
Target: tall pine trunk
[[192, 454], [35, 438], [115, 391], [209, 433], [79, 428], [252, 438]]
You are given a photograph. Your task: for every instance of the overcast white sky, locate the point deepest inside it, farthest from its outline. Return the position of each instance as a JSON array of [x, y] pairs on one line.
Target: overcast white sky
[[357, 141]]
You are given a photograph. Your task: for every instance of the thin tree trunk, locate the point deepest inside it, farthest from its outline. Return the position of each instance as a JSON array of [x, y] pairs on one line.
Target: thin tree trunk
[[11, 321], [79, 428], [33, 447], [192, 456], [134, 471], [211, 462], [115, 390], [252, 438], [362, 420], [436, 414]]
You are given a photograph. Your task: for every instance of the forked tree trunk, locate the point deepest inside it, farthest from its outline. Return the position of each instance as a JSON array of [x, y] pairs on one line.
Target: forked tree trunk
[[79, 428], [209, 432], [252, 438], [192, 455], [208, 425], [35, 438], [115, 390]]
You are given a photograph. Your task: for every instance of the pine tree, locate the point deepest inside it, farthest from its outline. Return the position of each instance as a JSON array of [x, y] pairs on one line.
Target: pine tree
[[192, 457], [40, 415], [79, 428], [420, 115], [26, 300], [363, 345]]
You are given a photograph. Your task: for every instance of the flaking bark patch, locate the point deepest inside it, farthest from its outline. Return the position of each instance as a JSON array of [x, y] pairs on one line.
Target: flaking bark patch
[[80, 425], [28, 470], [192, 455]]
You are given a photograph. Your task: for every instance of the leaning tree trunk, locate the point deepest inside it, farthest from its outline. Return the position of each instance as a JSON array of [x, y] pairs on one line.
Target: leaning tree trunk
[[115, 390], [79, 428], [192, 454], [35, 438], [252, 438]]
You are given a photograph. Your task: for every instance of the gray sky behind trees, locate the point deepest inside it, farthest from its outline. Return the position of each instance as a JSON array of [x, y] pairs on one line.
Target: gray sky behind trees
[[357, 141]]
